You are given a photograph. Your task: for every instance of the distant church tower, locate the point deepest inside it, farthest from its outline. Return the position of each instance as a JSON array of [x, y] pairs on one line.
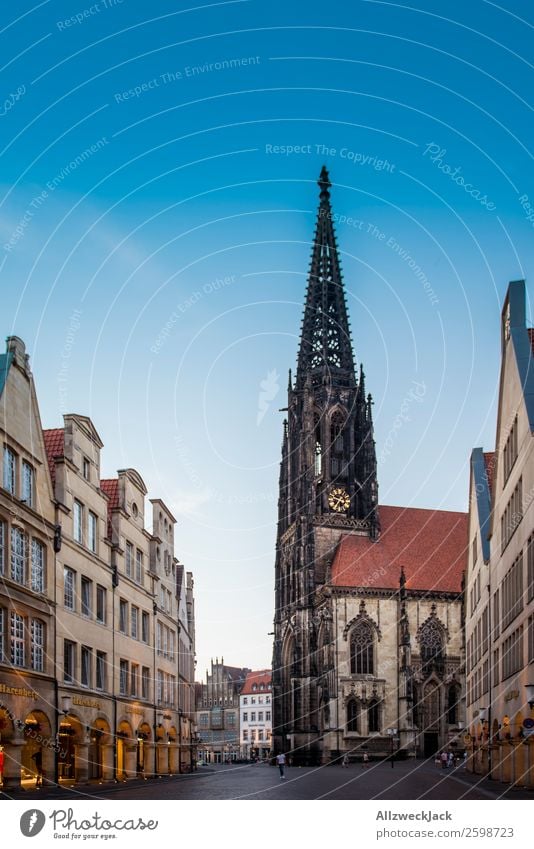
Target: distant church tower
[[328, 488]]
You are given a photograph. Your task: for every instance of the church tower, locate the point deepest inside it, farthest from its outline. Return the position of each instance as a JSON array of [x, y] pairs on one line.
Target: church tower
[[328, 489]]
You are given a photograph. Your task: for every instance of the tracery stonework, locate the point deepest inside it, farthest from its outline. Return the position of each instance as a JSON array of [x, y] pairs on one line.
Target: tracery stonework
[[353, 579]]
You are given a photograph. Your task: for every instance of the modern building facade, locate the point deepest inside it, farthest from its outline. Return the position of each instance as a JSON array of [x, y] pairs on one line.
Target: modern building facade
[[218, 713], [500, 578], [368, 646], [93, 673], [255, 715]]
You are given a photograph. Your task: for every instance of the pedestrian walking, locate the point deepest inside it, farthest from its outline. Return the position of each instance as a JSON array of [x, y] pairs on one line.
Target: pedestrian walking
[[450, 760], [437, 760], [345, 761], [38, 758], [281, 763], [365, 762], [444, 760]]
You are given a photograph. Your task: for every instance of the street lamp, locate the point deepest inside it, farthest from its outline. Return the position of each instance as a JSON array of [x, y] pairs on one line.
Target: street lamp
[[530, 695], [392, 732]]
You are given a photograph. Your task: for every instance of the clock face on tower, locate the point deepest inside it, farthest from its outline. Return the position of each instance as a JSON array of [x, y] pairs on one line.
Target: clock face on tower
[[339, 499]]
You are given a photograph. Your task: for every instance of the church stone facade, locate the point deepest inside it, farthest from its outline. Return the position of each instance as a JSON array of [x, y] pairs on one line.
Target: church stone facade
[[368, 643]]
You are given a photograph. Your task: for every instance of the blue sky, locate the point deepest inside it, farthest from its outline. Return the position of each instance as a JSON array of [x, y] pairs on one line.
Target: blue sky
[[158, 182]]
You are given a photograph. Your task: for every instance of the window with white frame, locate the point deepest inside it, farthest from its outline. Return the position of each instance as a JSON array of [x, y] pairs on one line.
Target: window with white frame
[[123, 616], [86, 469], [2, 634], [134, 619], [10, 470], [69, 655], [27, 483], [159, 638], [92, 531], [86, 599], [159, 696], [38, 566], [123, 677], [128, 559], [37, 630], [18, 554], [134, 680], [100, 670], [86, 658], [101, 603], [139, 566], [69, 577], [145, 626], [3, 547], [145, 682], [78, 521], [18, 654]]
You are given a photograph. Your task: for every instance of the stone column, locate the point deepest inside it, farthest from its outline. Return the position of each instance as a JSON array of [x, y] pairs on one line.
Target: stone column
[[174, 758], [150, 759], [108, 762], [130, 759], [81, 762], [12, 760], [162, 763]]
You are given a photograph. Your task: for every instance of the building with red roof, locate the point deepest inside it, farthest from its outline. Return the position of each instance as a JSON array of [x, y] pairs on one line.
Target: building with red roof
[[368, 640], [255, 708]]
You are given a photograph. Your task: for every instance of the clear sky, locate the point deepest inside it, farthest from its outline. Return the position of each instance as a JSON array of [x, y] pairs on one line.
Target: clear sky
[[157, 203]]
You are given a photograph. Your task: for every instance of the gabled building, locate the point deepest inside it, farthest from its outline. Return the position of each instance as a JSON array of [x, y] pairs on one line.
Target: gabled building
[[28, 538], [500, 578], [218, 712], [368, 647], [255, 721]]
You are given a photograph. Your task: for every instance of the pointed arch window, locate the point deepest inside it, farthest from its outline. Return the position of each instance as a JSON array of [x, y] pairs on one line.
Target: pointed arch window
[[337, 424], [318, 447], [453, 697], [362, 649], [431, 642], [373, 717], [353, 716]]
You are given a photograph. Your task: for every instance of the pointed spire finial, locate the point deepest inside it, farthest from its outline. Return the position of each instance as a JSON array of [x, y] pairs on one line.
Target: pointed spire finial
[[324, 183]]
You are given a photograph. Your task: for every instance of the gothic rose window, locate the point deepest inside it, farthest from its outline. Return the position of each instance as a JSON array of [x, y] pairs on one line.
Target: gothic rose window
[[431, 641], [353, 715], [362, 650]]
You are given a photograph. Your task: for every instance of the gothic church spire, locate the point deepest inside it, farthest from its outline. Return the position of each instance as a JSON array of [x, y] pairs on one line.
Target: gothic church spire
[[325, 345]]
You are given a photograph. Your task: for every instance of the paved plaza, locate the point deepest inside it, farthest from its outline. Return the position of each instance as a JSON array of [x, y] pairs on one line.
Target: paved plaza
[[406, 781]]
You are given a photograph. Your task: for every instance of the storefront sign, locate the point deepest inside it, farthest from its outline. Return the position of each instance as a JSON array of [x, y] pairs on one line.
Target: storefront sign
[[513, 694], [81, 702], [137, 710], [18, 691]]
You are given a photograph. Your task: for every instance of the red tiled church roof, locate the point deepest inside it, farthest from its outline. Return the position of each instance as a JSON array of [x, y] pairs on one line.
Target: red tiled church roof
[[257, 678], [430, 545], [54, 440], [489, 462]]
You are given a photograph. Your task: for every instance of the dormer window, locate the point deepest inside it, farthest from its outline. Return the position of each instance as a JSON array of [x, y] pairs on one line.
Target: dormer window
[[86, 468], [10, 470], [135, 511]]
